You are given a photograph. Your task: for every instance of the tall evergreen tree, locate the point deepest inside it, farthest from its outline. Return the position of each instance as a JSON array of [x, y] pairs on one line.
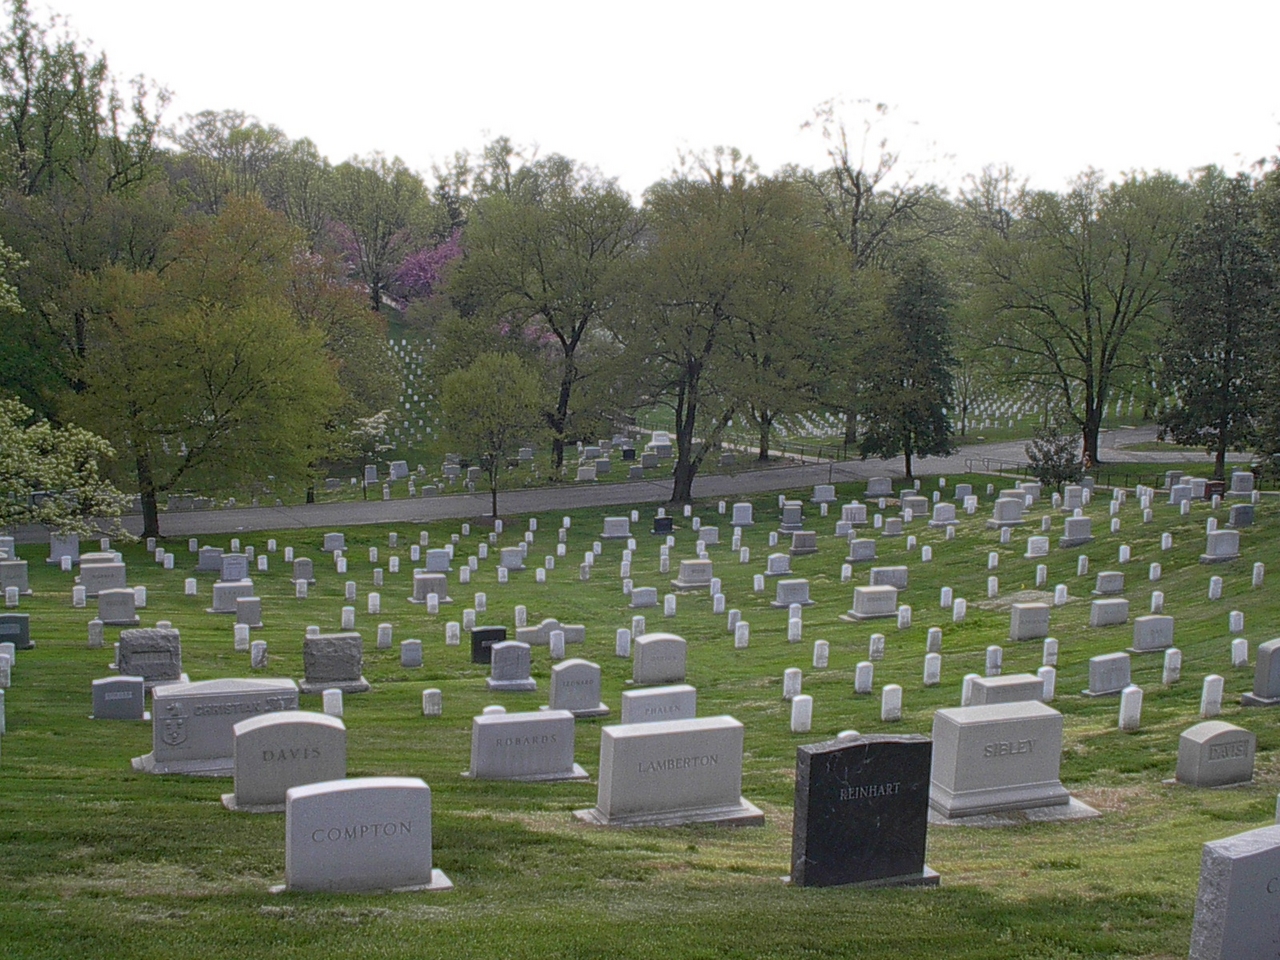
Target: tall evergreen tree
[[1213, 350], [909, 382]]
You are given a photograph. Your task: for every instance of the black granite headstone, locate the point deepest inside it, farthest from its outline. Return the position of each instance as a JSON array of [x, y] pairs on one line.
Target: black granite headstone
[[663, 524], [862, 812], [15, 628], [482, 639], [628, 454]]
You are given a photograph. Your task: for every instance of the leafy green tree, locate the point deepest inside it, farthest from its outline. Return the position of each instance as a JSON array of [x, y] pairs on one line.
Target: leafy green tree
[[722, 245], [203, 376], [909, 383], [491, 409], [1215, 350], [379, 210], [549, 255], [1081, 285]]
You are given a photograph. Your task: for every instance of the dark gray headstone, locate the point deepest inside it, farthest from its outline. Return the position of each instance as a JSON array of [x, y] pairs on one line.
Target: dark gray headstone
[[482, 639], [862, 812], [15, 628]]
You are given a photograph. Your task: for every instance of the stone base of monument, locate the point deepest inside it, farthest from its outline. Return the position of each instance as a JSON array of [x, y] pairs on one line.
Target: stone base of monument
[[125, 623], [1210, 558], [229, 801], [1000, 524], [1073, 809], [527, 685], [217, 767], [779, 605], [310, 583], [439, 884], [600, 710], [942, 525], [700, 586], [1066, 542], [790, 527], [438, 598], [576, 773], [928, 877], [346, 686], [1253, 700], [850, 616], [742, 814]]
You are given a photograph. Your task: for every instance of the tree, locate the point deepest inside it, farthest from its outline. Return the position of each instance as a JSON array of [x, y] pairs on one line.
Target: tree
[[1214, 352], [1081, 285], [376, 204], [715, 267], [202, 374], [490, 410], [870, 215], [909, 382], [551, 255], [227, 154], [52, 475]]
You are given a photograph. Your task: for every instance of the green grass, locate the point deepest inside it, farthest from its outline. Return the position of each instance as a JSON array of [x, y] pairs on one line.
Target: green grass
[[99, 861]]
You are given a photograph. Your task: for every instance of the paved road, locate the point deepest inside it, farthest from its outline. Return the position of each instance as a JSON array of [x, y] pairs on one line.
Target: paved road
[[517, 502]]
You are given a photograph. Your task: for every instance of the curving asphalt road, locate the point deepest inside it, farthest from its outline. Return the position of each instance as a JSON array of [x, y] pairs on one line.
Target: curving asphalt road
[[746, 482]]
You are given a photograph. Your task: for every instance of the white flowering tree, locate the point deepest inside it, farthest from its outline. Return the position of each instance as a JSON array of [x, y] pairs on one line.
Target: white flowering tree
[[51, 475]]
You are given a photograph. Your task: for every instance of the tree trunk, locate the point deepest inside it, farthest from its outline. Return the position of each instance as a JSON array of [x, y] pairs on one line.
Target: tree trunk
[[1089, 433], [765, 422], [493, 501], [311, 493], [906, 456], [850, 428], [561, 418], [147, 491], [1220, 458]]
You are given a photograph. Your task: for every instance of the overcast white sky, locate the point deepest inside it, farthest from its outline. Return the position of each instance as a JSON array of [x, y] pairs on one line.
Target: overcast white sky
[[1048, 88]]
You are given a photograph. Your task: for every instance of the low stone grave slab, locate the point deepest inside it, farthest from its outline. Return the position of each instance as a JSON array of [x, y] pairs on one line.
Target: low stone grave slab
[[873, 603]]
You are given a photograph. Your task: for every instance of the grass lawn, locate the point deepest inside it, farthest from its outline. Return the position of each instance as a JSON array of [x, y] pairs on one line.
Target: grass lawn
[[99, 861]]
